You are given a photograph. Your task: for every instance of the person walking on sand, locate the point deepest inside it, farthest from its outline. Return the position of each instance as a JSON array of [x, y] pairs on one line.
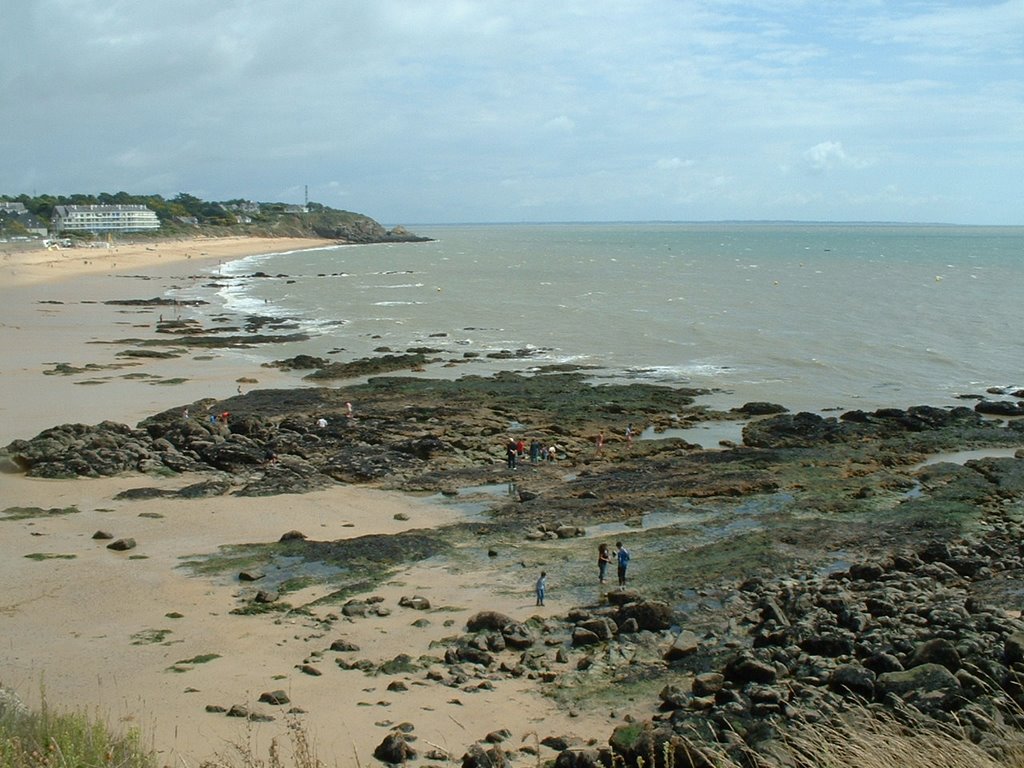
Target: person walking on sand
[[622, 554], [542, 587], [604, 557]]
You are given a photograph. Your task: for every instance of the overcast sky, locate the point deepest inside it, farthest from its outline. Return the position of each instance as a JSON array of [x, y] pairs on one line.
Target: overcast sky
[[430, 111]]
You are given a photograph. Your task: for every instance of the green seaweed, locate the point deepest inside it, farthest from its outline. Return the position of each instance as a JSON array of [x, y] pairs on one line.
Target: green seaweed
[[150, 636], [26, 513]]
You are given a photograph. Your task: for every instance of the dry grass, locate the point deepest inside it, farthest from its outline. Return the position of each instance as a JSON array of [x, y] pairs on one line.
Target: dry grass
[[873, 739], [302, 755]]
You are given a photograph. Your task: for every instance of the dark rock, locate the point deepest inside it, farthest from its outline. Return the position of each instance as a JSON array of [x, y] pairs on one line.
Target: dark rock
[[866, 571], [830, 645], [652, 615], [621, 596], [342, 645], [416, 603], [1013, 648], [478, 757], [936, 651], [999, 408], [122, 545], [926, 678], [584, 637], [760, 409], [204, 490], [517, 636], [747, 669], [602, 627], [854, 679], [395, 749], [771, 611], [276, 698], [488, 620], [880, 663]]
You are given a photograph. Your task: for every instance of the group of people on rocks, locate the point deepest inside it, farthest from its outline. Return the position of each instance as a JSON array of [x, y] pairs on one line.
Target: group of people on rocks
[[515, 450]]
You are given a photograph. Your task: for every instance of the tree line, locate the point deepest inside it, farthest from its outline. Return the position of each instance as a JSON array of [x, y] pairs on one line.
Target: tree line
[[180, 207]]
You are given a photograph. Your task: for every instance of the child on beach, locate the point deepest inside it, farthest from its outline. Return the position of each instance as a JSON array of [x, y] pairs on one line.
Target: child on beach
[[542, 587]]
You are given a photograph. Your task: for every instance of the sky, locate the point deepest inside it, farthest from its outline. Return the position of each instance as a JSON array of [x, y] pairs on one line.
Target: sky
[[446, 111]]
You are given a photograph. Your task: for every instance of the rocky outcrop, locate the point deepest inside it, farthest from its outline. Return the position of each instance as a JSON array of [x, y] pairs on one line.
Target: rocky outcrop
[[911, 630]]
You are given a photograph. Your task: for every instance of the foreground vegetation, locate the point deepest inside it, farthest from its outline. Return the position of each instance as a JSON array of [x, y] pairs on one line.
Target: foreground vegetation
[[49, 739]]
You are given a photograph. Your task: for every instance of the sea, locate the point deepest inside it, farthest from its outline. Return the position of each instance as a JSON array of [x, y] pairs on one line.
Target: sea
[[814, 317]]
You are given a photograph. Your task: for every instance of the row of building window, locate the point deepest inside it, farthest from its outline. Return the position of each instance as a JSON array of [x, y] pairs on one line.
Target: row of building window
[[103, 218]]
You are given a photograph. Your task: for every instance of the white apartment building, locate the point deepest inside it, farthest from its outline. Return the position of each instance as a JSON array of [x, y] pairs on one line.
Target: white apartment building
[[103, 218]]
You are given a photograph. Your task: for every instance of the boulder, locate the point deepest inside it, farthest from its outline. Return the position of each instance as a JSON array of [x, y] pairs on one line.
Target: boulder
[[584, 637], [416, 602], [745, 669], [603, 627], [707, 683], [685, 644], [935, 651], [1013, 648], [853, 678], [518, 636], [395, 749], [478, 757], [488, 620], [276, 698], [653, 615], [923, 679]]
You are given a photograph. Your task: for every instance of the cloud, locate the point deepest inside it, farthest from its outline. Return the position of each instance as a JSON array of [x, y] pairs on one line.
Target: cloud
[[830, 155], [672, 164], [422, 110], [560, 124]]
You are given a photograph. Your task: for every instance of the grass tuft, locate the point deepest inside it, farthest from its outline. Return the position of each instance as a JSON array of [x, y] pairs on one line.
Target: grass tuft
[[47, 739]]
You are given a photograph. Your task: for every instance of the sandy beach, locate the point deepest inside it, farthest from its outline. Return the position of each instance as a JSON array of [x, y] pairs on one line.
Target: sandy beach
[[118, 633]]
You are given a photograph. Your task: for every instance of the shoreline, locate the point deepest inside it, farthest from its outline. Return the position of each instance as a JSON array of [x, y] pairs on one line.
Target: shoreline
[[52, 311], [86, 625], [35, 264]]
